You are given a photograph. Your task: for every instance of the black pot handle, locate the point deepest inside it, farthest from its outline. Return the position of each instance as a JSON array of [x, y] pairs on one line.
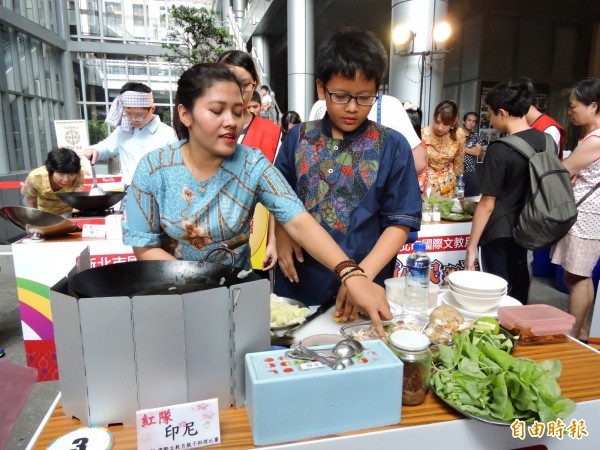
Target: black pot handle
[[221, 249]]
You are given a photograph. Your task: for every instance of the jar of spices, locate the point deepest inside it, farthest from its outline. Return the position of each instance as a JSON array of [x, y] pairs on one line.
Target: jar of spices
[[412, 348]]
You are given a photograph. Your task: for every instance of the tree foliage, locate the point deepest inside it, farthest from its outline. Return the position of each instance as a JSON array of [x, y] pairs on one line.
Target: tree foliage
[[193, 37]]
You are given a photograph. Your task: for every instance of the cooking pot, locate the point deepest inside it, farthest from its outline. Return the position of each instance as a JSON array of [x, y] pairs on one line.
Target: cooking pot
[[157, 277], [37, 223], [83, 201]]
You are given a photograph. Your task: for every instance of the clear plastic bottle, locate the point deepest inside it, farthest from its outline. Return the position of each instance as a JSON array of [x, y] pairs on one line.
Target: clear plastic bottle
[[460, 188], [416, 293]]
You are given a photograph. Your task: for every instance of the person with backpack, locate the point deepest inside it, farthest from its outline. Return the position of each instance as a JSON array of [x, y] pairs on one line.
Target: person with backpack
[[579, 250], [504, 186]]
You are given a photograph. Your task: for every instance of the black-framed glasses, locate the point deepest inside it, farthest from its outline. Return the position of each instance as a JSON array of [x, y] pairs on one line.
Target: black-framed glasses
[[343, 99]]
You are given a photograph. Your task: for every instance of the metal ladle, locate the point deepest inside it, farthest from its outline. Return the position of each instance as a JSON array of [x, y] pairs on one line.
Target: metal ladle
[[95, 190], [344, 353]]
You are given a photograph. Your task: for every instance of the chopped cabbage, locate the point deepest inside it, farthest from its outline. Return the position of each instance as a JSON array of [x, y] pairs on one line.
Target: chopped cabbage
[[284, 313]]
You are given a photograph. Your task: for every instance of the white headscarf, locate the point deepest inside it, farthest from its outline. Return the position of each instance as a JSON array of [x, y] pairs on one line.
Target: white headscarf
[[128, 99]]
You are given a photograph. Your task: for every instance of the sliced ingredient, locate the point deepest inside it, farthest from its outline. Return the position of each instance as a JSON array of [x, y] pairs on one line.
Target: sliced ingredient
[[284, 313]]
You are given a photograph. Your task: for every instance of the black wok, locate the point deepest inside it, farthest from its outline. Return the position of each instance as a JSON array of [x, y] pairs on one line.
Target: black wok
[[83, 201], [154, 277], [38, 223]]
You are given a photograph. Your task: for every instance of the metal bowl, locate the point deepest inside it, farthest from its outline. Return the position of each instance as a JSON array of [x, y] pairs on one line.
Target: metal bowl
[[468, 204]]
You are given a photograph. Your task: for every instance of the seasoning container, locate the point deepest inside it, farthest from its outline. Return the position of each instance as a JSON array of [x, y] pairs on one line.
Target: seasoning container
[[412, 348]]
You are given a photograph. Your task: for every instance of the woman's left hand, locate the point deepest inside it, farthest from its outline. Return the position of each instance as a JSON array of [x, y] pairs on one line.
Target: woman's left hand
[[270, 258], [345, 307], [470, 259]]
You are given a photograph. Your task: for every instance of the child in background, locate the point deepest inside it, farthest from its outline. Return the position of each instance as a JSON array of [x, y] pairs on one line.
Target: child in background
[[415, 115], [288, 121], [356, 178], [254, 104]]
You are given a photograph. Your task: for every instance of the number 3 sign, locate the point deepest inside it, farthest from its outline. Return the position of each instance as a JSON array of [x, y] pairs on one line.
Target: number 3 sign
[[92, 438]]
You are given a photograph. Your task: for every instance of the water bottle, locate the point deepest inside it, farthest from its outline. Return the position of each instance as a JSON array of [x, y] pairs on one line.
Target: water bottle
[[416, 293], [460, 188]]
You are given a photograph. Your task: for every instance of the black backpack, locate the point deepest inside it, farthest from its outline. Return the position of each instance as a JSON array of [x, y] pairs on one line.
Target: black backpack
[[550, 210]]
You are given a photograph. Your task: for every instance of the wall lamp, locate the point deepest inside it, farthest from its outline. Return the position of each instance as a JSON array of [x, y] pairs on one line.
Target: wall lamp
[[404, 40]]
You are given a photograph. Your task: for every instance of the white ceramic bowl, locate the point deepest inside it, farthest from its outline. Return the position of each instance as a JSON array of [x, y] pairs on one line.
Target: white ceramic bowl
[[480, 282], [476, 304], [474, 293]]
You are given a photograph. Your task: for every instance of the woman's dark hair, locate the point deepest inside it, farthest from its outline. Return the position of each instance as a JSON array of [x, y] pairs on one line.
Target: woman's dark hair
[[415, 116], [241, 59], [471, 113], [136, 87], [349, 52], [588, 92], [289, 118], [513, 96], [62, 160], [194, 83], [447, 111]]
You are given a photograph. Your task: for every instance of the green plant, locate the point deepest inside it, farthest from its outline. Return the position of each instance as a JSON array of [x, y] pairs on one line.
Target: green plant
[[194, 37], [97, 130]]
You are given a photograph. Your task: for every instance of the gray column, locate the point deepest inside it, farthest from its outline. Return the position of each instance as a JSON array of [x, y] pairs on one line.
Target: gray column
[[225, 5], [238, 11], [418, 78], [66, 63], [301, 56], [4, 162], [261, 46]]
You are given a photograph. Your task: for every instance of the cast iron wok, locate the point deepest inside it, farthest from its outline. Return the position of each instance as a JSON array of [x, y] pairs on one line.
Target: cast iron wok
[[154, 277], [83, 201], [38, 223]]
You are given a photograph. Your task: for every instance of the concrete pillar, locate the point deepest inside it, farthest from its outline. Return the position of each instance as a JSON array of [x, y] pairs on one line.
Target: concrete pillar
[[225, 5], [4, 162], [66, 63], [301, 56], [261, 45], [418, 78]]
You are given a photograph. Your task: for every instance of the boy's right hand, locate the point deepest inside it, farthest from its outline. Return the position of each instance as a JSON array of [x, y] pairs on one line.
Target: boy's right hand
[[91, 154], [287, 249]]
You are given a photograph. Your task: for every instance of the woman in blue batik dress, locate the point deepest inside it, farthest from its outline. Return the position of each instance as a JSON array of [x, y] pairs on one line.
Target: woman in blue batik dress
[[200, 193]]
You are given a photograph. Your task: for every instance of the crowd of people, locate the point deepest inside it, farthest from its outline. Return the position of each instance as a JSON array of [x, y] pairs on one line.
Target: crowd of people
[[345, 187]]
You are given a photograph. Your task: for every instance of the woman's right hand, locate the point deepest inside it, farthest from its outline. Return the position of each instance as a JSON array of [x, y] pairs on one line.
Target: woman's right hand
[[369, 298], [91, 154]]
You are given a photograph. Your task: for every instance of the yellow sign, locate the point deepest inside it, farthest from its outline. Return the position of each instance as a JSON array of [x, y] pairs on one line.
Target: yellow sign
[[258, 236]]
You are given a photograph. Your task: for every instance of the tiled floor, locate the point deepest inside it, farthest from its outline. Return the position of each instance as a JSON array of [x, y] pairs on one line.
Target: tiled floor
[[44, 393]]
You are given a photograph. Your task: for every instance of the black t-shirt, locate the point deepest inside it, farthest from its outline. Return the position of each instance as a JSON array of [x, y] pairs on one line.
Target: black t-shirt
[[505, 175]]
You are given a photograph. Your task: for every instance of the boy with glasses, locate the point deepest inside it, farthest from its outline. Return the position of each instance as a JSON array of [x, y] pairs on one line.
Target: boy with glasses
[[356, 177], [137, 130]]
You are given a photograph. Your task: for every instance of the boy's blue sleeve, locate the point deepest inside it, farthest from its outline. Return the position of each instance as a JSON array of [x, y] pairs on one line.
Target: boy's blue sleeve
[[402, 197], [285, 161]]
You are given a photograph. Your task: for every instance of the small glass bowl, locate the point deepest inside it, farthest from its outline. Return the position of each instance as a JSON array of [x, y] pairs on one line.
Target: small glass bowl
[[364, 330]]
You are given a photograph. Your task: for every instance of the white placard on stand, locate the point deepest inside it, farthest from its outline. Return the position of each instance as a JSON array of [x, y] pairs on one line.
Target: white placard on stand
[[73, 134]]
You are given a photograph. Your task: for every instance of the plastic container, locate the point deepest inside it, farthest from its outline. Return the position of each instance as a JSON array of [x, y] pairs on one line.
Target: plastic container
[[416, 293], [541, 320], [412, 348]]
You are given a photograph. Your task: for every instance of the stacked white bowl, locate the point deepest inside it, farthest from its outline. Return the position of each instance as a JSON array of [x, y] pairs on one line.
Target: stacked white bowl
[[477, 291]]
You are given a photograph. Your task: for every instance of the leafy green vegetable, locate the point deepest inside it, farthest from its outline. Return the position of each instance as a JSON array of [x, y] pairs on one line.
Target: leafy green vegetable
[[481, 379]]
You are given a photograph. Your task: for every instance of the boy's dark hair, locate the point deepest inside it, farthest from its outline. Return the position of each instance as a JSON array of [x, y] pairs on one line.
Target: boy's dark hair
[[415, 116], [62, 160], [349, 52], [515, 97], [194, 83], [265, 87], [241, 59], [588, 92], [290, 117], [255, 97], [136, 87], [471, 113], [447, 110]]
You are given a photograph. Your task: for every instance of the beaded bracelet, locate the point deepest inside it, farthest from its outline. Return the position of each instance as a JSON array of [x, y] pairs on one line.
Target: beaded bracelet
[[344, 265], [353, 274], [354, 269]]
